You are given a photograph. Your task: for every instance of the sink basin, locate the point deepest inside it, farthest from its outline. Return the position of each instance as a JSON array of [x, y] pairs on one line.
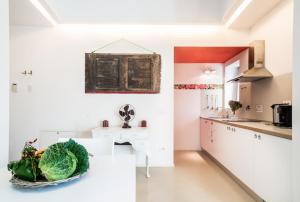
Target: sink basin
[[235, 119], [243, 120]]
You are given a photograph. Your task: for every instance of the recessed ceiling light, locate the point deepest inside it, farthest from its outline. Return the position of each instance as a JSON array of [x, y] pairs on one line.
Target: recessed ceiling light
[[141, 28], [43, 11], [238, 12]]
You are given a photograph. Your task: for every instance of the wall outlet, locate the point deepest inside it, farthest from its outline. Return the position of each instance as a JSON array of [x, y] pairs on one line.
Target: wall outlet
[[259, 108]]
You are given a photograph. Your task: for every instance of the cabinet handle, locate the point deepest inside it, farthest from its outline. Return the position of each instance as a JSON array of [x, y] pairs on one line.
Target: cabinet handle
[[255, 136], [259, 137]]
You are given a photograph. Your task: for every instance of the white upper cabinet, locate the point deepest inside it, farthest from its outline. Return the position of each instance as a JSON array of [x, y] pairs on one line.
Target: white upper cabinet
[[272, 168]]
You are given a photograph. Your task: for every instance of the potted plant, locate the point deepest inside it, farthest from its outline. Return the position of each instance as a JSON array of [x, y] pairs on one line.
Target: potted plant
[[234, 106]]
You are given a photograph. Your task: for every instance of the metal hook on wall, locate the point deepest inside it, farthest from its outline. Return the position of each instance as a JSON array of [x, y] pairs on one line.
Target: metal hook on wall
[[27, 73]]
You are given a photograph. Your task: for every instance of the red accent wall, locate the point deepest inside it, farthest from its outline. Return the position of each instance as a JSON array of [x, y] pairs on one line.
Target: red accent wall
[[205, 54]]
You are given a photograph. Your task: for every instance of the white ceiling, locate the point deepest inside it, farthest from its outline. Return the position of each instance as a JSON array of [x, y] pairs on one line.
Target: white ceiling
[[22, 12], [122, 11], [254, 12]]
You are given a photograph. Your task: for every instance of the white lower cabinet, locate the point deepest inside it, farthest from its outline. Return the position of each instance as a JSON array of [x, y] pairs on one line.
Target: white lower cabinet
[[203, 131], [219, 137], [272, 168], [205, 135], [242, 155], [261, 161]]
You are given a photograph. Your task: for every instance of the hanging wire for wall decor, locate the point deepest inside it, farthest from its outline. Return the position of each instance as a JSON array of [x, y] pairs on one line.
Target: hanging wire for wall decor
[[126, 41]]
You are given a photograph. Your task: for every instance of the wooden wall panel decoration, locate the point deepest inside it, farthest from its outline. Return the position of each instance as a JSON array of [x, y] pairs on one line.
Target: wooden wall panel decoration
[[118, 73]]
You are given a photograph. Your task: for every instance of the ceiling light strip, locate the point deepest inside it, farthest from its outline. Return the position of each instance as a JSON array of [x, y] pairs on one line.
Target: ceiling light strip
[[238, 12], [43, 11]]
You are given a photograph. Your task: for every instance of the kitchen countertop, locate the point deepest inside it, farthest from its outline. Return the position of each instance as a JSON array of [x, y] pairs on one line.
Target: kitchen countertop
[[261, 127]]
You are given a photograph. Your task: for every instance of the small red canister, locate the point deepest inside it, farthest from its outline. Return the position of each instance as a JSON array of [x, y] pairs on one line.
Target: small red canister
[[105, 123], [144, 124]]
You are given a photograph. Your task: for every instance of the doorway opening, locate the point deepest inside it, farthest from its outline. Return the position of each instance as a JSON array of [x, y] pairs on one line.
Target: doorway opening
[[201, 88]]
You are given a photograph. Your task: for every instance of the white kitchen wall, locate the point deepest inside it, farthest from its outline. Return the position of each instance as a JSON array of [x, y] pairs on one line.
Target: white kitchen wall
[[277, 30], [54, 99], [4, 81], [187, 103], [193, 73], [296, 103]]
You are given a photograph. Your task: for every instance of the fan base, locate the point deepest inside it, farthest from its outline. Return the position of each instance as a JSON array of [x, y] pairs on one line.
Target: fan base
[[126, 125]]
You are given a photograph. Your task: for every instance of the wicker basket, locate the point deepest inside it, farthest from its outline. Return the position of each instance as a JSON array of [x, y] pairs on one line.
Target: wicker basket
[[39, 184]]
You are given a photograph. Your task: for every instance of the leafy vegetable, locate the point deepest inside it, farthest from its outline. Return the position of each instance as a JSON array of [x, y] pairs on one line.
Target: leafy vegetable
[[25, 169], [234, 105], [81, 154], [57, 162], [29, 150]]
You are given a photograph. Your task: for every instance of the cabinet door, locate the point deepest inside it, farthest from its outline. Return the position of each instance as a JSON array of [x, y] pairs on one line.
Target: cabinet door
[[210, 140], [241, 162], [202, 134], [205, 134], [225, 146], [272, 168], [217, 140]]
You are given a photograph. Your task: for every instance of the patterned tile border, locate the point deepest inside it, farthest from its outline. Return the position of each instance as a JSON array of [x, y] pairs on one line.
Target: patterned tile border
[[198, 86]]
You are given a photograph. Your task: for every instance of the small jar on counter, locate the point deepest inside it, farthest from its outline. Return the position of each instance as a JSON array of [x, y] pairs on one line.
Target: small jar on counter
[[105, 124], [143, 124]]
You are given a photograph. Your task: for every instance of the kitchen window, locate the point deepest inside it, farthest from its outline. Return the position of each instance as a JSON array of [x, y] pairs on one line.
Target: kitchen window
[[231, 89]]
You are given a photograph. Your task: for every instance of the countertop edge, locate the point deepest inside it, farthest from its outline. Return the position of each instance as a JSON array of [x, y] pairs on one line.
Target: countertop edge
[[259, 130]]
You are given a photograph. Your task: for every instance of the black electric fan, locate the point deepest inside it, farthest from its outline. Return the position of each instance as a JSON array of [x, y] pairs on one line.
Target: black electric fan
[[127, 114]]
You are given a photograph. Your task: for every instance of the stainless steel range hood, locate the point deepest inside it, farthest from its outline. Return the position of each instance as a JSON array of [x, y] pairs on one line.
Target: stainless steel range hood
[[257, 70]]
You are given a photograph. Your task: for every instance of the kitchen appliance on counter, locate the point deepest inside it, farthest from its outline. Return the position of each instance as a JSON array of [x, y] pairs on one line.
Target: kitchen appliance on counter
[[282, 115]]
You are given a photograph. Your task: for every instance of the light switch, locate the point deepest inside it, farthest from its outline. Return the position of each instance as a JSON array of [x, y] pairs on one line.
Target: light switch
[[14, 88]]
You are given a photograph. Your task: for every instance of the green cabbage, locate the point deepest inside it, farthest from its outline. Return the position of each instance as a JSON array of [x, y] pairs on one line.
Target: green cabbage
[[81, 154], [57, 162]]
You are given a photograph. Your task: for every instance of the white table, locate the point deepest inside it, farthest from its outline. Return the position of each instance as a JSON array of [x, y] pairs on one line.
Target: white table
[[137, 136], [109, 179]]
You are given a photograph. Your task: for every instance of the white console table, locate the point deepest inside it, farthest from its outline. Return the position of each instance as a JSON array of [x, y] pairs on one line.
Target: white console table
[[138, 137]]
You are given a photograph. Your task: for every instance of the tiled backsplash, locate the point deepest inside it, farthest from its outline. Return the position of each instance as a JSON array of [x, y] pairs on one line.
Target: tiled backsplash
[[265, 92]]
